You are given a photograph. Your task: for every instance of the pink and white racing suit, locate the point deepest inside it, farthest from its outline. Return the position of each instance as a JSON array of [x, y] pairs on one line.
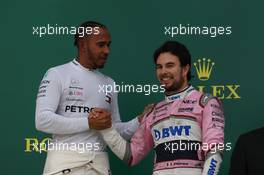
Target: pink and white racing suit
[[185, 130]]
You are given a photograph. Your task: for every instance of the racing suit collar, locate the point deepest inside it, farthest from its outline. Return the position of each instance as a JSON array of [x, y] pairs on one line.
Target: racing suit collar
[[76, 63], [180, 95]]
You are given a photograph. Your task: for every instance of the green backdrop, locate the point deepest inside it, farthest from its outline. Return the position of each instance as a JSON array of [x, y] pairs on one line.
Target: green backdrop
[[137, 28]]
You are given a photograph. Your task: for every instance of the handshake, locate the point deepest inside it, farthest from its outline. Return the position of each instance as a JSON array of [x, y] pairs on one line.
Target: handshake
[[100, 118]]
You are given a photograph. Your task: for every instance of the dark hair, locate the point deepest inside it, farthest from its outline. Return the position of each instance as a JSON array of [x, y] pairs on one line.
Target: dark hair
[[84, 25], [178, 50]]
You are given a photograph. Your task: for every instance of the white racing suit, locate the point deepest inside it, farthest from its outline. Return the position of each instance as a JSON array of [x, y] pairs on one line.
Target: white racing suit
[[73, 162], [67, 94]]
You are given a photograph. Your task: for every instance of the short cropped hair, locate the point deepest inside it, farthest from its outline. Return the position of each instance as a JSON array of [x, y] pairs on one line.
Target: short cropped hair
[[84, 25]]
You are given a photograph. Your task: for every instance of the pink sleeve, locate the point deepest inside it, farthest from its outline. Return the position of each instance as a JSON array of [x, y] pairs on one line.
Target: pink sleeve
[[141, 142], [213, 123]]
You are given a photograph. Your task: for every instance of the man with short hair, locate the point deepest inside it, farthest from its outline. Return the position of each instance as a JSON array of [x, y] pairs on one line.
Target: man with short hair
[[66, 96], [185, 129]]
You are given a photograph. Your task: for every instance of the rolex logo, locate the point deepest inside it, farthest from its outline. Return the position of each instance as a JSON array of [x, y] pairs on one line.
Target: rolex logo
[[204, 68]]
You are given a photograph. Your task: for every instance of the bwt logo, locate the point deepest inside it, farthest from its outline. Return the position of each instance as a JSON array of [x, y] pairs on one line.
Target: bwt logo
[[213, 164], [172, 131]]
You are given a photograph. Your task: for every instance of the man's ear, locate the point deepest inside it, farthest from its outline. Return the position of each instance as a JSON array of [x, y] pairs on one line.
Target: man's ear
[[81, 43], [186, 70]]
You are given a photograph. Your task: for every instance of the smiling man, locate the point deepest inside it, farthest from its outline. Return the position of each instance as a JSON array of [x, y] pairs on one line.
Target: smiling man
[[185, 129], [67, 94]]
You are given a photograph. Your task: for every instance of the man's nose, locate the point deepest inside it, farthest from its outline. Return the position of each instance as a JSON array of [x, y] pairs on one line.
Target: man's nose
[[106, 50], [163, 71]]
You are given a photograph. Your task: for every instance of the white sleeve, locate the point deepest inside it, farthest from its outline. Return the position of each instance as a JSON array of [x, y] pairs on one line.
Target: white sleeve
[[48, 100], [125, 129], [117, 144], [212, 163]]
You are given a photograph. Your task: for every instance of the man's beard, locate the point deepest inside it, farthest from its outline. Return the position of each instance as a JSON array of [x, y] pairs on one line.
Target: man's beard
[[100, 66], [94, 59], [175, 87], [99, 60]]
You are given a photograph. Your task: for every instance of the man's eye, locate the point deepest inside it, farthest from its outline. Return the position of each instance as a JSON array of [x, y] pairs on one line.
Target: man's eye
[[170, 65], [101, 44]]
